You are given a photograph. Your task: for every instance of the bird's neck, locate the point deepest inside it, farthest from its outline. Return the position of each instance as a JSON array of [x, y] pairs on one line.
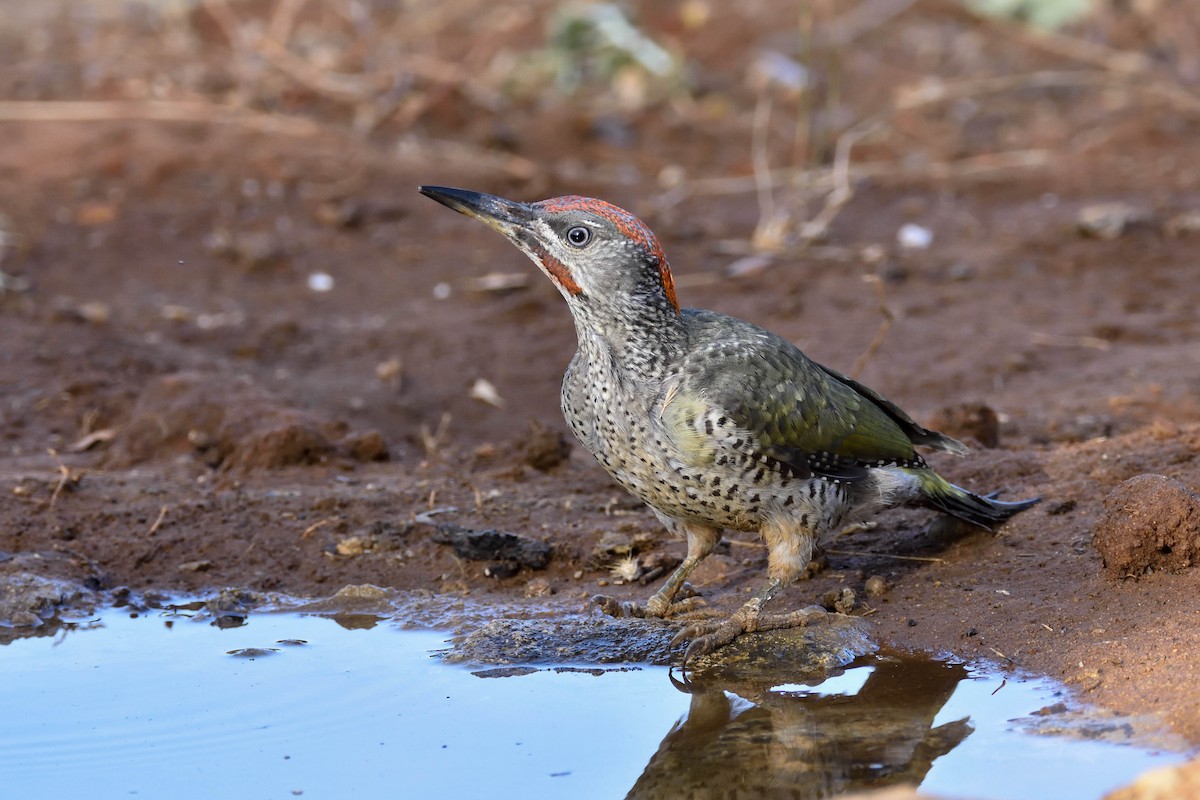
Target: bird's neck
[[638, 338]]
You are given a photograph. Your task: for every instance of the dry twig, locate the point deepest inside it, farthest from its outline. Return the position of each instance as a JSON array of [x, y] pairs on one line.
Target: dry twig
[[311, 529], [162, 514], [158, 110]]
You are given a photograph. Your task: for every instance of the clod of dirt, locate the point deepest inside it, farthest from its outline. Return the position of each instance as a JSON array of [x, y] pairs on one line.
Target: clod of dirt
[[369, 446], [544, 448], [1150, 522], [841, 600], [969, 421], [224, 423], [510, 552], [290, 443]]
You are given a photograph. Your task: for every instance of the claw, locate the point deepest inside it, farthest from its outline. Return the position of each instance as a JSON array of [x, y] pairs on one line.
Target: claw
[[708, 637], [682, 684], [725, 633], [615, 608]]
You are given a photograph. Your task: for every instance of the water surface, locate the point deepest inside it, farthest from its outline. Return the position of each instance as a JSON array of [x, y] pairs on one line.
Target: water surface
[[160, 705]]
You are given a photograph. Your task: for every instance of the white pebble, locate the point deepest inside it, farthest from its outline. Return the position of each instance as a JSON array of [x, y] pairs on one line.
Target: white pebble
[[320, 282], [914, 237]]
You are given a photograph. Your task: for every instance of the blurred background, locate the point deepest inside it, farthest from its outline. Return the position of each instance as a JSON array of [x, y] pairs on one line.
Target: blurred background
[[235, 179]]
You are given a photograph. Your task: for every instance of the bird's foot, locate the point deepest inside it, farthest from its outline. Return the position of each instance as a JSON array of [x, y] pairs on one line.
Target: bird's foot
[[707, 637], [654, 607]]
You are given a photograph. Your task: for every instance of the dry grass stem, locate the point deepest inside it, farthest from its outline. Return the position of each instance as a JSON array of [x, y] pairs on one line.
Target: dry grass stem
[[1052, 340], [926, 559], [162, 515], [311, 529]]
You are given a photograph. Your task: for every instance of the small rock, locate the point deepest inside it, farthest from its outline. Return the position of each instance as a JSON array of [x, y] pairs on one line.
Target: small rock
[[353, 546], [320, 282], [95, 312], [914, 237], [876, 586], [1185, 224], [195, 566], [505, 672], [1150, 522], [253, 652], [26, 600], [1065, 507], [1109, 220], [501, 570], [538, 587]]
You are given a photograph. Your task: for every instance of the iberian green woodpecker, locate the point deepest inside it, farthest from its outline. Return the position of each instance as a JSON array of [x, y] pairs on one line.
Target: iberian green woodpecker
[[713, 422]]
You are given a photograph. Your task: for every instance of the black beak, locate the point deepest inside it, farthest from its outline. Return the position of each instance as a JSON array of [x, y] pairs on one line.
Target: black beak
[[506, 216]]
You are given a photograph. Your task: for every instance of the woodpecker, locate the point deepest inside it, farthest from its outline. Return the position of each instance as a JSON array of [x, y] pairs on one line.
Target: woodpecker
[[715, 423]]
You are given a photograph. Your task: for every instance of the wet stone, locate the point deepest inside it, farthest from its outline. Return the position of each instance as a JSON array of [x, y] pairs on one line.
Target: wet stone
[[825, 645], [27, 601], [1150, 523], [509, 552]]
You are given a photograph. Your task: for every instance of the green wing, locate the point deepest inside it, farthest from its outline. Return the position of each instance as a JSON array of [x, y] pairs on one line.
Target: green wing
[[800, 414]]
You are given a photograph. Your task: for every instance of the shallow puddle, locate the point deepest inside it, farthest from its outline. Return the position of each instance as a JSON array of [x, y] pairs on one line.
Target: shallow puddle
[[161, 705]]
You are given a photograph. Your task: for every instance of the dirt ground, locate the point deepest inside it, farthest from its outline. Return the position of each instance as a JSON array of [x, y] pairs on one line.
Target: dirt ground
[[240, 350]]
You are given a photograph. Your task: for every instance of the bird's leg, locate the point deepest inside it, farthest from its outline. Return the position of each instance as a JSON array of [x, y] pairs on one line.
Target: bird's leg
[[790, 549], [701, 541]]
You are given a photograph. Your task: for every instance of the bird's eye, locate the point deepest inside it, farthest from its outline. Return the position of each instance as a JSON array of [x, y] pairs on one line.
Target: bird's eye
[[579, 236]]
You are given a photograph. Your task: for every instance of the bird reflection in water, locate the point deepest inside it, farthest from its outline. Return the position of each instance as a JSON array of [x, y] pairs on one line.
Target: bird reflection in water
[[769, 743]]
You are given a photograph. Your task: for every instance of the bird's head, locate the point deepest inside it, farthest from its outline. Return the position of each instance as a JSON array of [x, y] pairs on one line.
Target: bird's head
[[593, 251]]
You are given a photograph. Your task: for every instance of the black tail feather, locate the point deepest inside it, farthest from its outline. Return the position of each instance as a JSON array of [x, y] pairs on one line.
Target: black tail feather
[[986, 512]]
